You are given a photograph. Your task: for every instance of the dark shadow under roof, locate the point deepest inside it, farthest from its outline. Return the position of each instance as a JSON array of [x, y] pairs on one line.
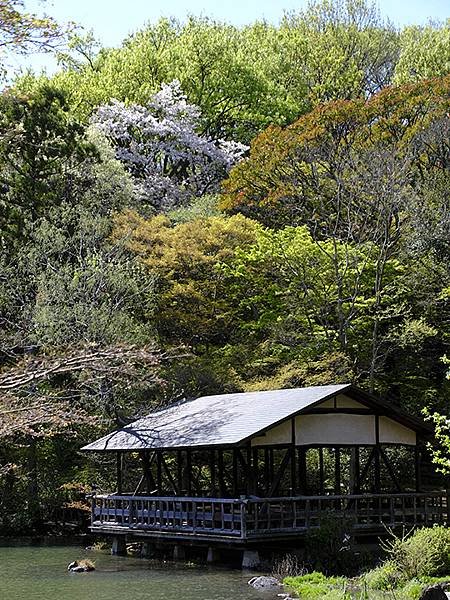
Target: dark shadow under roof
[[229, 419]]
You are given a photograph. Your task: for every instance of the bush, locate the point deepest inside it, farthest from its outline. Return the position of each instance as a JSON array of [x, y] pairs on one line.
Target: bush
[[426, 553], [287, 566], [330, 546], [385, 577]]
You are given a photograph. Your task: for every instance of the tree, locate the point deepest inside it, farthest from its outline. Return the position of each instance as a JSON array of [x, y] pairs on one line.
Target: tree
[[161, 147], [23, 32], [343, 49], [424, 52], [242, 79], [193, 305], [41, 146], [320, 171]]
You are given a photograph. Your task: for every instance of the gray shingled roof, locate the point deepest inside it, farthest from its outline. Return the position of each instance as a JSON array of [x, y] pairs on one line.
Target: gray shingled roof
[[214, 420]]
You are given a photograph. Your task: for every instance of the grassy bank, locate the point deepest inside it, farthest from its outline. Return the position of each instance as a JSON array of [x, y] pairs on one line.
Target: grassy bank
[[411, 563]]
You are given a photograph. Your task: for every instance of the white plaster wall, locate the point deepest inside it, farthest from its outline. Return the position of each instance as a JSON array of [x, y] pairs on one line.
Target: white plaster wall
[[334, 429], [281, 434], [343, 401], [392, 432], [326, 404]]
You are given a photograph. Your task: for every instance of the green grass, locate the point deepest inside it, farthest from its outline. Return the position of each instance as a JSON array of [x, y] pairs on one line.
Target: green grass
[[317, 585], [370, 586]]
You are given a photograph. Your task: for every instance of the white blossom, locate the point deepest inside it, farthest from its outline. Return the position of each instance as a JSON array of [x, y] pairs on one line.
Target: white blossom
[[160, 146]]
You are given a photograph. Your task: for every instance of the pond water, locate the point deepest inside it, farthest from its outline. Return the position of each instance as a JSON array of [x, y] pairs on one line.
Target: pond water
[[40, 573]]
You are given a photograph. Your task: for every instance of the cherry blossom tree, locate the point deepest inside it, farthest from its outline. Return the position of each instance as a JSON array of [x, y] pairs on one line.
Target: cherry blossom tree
[[161, 146]]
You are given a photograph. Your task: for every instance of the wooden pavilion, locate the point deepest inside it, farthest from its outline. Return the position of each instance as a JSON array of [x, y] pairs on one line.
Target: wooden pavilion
[[261, 466]]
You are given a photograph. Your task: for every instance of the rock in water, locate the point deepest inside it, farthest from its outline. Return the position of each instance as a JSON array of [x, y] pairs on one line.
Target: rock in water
[[82, 566], [78, 569], [264, 583]]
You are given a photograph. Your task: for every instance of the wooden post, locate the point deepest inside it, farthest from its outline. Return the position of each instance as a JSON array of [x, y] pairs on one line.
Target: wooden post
[[212, 471], [302, 470], [255, 469], [220, 467], [354, 470], [235, 473], [119, 468], [148, 477], [377, 465], [159, 472], [293, 461], [250, 470], [417, 468], [189, 471], [271, 469], [180, 471], [321, 473], [337, 471], [266, 471]]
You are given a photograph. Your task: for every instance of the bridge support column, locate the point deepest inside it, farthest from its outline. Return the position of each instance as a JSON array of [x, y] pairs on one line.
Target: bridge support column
[[213, 555], [250, 559], [119, 546], [179, 552]]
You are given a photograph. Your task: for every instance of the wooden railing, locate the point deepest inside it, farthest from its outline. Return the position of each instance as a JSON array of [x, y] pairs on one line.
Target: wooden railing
[[170, 514], [363, 512], [263, 517]]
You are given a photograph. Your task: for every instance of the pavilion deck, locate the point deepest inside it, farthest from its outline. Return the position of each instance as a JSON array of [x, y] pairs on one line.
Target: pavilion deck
[[262, 519]]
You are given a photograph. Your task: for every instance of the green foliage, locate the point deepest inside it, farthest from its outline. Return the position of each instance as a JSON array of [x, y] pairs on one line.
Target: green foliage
[[335, 270], [316, 585], [41, 147], [424, 52], [243, 79], [329, 547], [22, 32], [425, 553], [385, 577], [193, 303]]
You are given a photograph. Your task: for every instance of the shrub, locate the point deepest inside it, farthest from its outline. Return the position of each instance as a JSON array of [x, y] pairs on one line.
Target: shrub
[[330, 546], [385, 577], [425, 553], [287, 566]]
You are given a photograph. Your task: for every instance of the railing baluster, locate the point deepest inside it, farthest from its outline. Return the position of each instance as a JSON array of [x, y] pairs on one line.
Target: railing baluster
[[262, 516]]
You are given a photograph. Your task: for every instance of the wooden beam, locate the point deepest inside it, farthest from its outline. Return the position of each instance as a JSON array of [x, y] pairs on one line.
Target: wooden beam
[[180, 471], [281, 470], [159, 472], [235, 483], [119, 471], [321, 473], [221, 474], [293, 461], [266, 471], [255, 470], [188, 471], [367, 467], [337, 411], [377, 466], [337, 471], [417, 468], [390, 469], [212, 471], [169, 475], [354, 470], [150, 484], [302, 479]]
